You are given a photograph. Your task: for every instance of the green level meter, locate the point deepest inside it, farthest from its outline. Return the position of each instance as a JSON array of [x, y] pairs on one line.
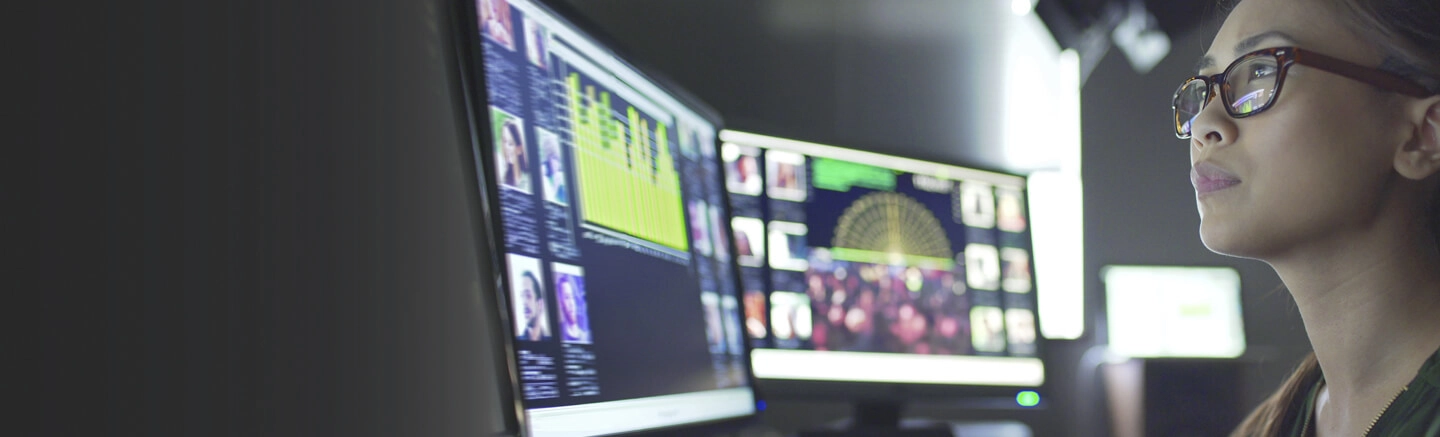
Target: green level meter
[[836, 175]]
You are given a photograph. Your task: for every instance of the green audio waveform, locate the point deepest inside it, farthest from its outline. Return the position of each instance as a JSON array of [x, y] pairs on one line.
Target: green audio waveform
[[625, 183]]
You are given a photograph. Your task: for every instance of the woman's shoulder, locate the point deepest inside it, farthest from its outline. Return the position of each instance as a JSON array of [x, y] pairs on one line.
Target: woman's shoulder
[[1430, 371], [1416, 412]]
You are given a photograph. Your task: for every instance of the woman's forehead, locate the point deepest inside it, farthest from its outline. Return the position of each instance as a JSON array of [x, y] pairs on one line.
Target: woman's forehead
[[1309, 24]]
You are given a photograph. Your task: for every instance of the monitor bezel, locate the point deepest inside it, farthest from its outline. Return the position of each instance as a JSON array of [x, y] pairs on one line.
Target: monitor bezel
[[469, 78]]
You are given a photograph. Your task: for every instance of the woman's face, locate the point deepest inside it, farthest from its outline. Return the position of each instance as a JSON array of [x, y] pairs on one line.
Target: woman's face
[[507, 145], [512, 147], [567, 299], [1312, 165]]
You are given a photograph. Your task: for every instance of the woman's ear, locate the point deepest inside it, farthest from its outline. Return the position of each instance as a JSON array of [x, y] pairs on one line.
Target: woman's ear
[[1420, 157]]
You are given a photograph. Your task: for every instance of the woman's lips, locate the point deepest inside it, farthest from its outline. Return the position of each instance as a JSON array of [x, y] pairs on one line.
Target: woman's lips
[[1209, 178]]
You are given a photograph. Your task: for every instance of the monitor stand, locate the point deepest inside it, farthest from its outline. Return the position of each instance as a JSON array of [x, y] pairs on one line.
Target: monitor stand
[[882, 419]]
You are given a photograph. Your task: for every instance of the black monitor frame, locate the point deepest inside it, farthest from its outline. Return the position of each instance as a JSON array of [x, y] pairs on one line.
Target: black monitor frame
[[469, 78], [878, 405]]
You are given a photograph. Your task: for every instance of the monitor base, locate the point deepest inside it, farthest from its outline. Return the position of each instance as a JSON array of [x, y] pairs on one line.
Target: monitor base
[[881, 419], [939, 431]]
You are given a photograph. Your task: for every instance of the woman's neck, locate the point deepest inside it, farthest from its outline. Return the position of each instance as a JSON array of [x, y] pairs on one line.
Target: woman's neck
[[1371, 306]]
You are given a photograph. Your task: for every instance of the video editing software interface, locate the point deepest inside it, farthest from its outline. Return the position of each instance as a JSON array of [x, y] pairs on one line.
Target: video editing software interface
[[625, 307], [863, 267]]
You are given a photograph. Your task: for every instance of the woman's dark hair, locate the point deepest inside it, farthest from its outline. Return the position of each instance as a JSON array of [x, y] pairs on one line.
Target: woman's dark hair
[[560, 286], [1406, 32], [574, 302], [1278, 413], [513, 128], [534, 285]]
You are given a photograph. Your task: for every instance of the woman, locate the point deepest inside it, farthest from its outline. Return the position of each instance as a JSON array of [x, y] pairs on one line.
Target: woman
[[1332, 182], [573, 326], [514, 168]]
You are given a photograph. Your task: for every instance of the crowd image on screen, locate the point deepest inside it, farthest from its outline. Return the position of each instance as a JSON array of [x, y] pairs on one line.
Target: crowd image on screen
[[881, 308]]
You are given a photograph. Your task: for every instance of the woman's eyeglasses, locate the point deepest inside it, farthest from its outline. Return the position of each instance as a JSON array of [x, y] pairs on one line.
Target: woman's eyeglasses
[[1251, 84]]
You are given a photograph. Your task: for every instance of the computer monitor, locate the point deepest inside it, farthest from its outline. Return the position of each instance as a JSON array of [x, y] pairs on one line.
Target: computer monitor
[[600, 193], [1173, 311], [866, 272]]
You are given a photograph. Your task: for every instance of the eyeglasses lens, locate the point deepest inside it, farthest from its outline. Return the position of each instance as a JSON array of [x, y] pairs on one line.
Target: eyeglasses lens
[[1188, 103], [1251, 84], [1249, 88]]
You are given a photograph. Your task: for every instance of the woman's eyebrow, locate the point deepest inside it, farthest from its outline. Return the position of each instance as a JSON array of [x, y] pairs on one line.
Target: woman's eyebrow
[[1249, 44], [1246, 45]]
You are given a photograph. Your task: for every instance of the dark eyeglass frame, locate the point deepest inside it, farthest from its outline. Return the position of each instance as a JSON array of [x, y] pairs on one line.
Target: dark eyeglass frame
[[1284, 58]]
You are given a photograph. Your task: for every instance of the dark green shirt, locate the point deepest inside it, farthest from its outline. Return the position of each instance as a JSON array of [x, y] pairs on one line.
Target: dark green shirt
[[1414, 413]]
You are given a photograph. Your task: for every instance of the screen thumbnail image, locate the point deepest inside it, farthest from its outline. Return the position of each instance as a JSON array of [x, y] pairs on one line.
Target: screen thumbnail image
[[1020, 330], [714, 326], [786, 173], [755, 314], [570, 298], [495, 23], [532, 316], [553, 177], [690, 142], [867, 307], [717, 234], [977, 204], [982, 266], [987, 326], [1015, 265], [699, 214], [749, 241], [787, 246], [742, 169], [705, 140], [1010, 208], [730, 310], [537, 43], [790, 317], [512, 160]]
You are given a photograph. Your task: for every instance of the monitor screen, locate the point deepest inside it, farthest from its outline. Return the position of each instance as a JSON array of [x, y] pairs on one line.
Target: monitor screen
[[863, 267], [1173, 311], [604, 198]]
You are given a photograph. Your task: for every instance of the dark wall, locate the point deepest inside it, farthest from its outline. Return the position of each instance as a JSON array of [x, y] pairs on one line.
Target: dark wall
[[911, 78], [276, 217]]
